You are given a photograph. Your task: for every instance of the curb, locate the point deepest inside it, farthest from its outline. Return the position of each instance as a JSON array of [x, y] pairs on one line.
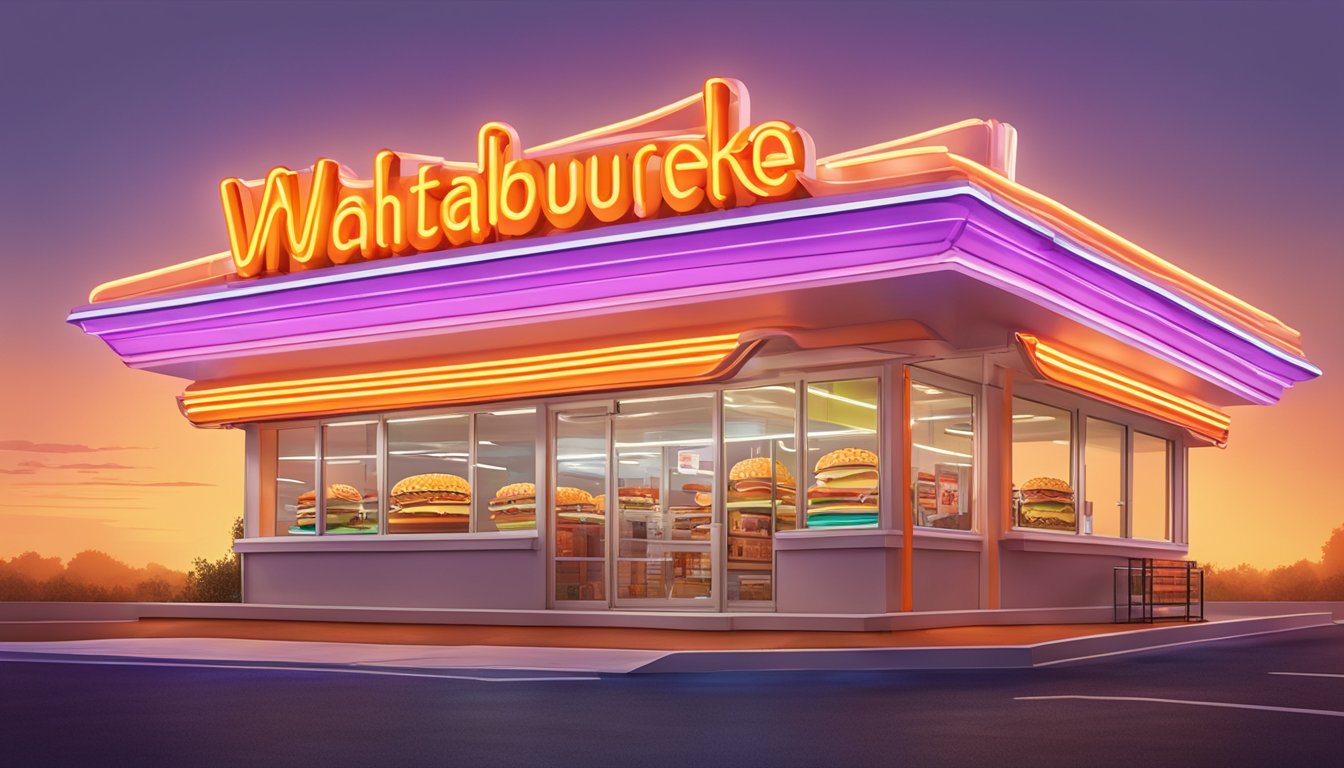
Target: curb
[[762, 660]]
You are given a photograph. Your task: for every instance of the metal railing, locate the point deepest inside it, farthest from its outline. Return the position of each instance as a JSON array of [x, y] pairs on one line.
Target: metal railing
[[1149, 590]]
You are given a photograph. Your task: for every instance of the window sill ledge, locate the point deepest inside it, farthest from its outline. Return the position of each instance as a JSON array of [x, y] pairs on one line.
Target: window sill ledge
[[877, 538], [1071, 543], [515, 540]]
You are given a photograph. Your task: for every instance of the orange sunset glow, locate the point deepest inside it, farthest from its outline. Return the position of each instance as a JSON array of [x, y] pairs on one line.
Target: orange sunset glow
[[1160, 142]]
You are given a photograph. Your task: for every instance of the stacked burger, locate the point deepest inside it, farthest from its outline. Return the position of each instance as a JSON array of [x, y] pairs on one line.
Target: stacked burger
[[432, 503], [691, 521], [576, 505], [514, 507], [1047, 502], [753, 486], [846, 490], [638, 498], [345, 509]]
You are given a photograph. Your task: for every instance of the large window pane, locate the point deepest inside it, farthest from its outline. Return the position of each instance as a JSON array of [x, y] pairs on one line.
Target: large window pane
[[842, 418], [761, 453], [580, 505], [427, 473], [506, 465], [1042, 458], [350, 470], [295, 476], [1104, 478], [942, 458], [664, 475], [1151, 506]]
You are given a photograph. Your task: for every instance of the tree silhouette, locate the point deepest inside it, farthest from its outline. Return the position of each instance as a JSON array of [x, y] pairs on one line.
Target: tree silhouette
[[220, 581]]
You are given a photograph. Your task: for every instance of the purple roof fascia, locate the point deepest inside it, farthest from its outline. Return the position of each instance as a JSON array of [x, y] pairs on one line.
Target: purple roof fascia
[[817, 242]]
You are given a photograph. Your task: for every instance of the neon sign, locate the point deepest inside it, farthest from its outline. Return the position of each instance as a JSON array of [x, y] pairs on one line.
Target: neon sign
[[647, 167]]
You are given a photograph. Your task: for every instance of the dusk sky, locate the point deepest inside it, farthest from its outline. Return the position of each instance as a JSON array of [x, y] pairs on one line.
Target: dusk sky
[[1207, 133]]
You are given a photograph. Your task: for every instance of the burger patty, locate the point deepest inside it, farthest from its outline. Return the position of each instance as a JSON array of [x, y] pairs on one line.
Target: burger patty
[[1046, 494], [431, 497]]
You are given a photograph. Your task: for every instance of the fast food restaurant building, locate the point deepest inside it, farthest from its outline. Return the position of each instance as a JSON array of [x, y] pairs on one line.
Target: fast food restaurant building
[[679, 363]]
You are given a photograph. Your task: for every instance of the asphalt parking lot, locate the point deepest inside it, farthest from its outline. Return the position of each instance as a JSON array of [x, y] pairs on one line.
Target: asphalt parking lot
[[1269, 700]]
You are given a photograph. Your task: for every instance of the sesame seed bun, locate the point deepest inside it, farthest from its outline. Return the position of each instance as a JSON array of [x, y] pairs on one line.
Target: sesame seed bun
[[1047, 484], [334, 491], [567, 496], [431, 482], [516, 490], [847, 457], [758, 468]]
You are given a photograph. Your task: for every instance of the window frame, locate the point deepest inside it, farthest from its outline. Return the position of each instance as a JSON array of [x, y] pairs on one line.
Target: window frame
[[979, 479], [1082, 407]]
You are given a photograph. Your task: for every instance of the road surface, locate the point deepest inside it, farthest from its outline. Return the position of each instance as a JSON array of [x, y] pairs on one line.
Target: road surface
[[1155, 708]]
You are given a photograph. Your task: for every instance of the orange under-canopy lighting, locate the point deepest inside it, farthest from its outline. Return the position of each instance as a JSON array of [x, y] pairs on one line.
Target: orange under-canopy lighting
[[1100, 379], [645, 364]]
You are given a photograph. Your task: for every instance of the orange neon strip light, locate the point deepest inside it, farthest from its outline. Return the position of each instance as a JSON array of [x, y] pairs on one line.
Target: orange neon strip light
[[216, 265], [586, 358], [681, 360], [1094, 377]]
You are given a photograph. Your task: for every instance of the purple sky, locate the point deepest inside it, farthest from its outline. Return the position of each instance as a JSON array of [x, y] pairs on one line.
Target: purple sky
[[1207, 132]]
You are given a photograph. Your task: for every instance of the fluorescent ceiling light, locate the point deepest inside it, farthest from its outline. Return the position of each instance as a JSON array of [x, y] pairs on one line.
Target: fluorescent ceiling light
[[943, 451], [841, 398], [441, 417]]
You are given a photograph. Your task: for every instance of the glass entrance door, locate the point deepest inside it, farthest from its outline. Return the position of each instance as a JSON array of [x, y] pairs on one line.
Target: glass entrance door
[[760, 445], [633, 504], [578, 508], [664, 530]]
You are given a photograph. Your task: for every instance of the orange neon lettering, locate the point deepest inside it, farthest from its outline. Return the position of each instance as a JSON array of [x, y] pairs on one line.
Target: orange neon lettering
[[507, 192], [388, 205], [494, 147], [776, 168], [275, 239], [566, 214], [684, 179], [519, 197], [725, 167], [645, 171], [426, 231], [350, 229], [608, 192], [462, 212]]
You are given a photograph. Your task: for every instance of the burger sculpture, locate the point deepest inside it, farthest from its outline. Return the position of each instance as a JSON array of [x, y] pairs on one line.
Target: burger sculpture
[[1047, 502], [576, 505], [433, 503], [752, 485], [514, 507], [345, 508], [846, 489]]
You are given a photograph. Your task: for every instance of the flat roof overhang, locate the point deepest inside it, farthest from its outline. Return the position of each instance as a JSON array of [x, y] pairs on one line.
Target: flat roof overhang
[[952, 256]]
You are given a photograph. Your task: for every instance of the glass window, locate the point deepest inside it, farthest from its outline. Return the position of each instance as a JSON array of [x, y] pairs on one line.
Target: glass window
[[664, 477], [1042, 461], [1104, 478], [506, 468], [942, 456], [842, 454], [1151, 504], [350, 471], [761, 453], [295, 478], [580, 504], [428, 490]]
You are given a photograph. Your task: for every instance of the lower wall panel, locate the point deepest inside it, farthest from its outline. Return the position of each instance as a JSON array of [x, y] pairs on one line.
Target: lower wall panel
[[861, 580], [1056, 579], [504, 579], [946, 580]]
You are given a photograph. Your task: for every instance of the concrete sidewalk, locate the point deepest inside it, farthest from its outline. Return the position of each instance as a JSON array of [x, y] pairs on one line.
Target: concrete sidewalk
[[941, 652]]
